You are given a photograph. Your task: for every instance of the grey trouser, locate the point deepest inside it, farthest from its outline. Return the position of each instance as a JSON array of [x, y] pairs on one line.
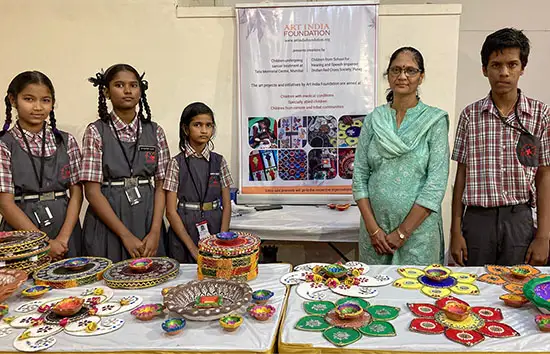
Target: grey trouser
[[499, 235]]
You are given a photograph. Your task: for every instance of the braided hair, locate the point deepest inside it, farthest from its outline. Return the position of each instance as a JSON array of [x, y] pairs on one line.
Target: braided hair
[[17, 85], [103, 79], [191, 111]]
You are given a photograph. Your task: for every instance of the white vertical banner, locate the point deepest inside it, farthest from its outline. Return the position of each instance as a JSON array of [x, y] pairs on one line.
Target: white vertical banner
[[307, 78]]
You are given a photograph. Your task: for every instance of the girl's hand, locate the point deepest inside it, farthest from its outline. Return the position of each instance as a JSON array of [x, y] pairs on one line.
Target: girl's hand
[[133, 245], [194, 252], [57, 249], [150, 244]]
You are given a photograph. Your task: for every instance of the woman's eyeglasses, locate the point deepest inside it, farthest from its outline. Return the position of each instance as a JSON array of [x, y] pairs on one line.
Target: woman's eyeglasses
[[409, 72]]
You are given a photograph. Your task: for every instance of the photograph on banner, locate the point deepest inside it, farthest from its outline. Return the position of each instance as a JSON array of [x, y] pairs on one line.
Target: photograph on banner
[[306, 83]]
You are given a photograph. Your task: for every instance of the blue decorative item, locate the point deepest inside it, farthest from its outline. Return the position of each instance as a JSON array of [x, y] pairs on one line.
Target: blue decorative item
[[445, 283], [173, 326]]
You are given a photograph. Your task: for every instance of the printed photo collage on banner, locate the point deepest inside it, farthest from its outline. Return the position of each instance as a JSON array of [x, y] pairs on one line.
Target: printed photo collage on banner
[[303, 148]]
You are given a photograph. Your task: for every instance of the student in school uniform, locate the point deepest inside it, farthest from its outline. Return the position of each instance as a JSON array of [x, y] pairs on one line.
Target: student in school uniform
[[124, 163], [38, 165], [197, 182], [502, 148]]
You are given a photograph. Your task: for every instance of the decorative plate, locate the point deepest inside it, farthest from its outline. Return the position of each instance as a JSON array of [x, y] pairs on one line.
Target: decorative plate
[[40, 249], [538, 292], [512, 279], [181, 299], [19, 241], [58, 276], [340, 331], [105, 326], [121, 276], [436, 281], [480, 323], [34, 344]]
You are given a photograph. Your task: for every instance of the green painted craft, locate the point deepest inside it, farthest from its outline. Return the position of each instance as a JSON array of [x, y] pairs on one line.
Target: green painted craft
[[312, 324], [383, 313], [378, 329], [364, 304], [318, 307], [341, 337]]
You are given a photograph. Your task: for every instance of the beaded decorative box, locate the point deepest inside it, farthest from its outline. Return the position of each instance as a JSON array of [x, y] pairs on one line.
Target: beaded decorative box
[[229, 255]]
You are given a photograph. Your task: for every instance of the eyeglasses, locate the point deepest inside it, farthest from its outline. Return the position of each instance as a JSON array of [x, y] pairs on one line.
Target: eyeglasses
[[409, 72]]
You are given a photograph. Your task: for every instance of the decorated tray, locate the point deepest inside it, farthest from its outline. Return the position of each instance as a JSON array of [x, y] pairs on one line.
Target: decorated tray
[[30, 264], [123, 276], [219, 245], [512, 279], [13, 242], [538, 292], [184, 299], [59, 276], [42, 248]]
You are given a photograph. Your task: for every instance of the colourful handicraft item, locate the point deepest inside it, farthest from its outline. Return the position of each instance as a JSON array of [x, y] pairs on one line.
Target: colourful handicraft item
[[437, 281], [513, 278], [460, 322], [348, 320]]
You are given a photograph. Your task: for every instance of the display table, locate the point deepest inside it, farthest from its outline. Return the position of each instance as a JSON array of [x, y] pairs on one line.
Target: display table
[[522, 320], [301, 223], [197, 337]]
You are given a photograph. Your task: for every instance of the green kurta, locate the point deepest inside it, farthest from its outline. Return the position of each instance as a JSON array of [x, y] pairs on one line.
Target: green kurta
[[396, 168]]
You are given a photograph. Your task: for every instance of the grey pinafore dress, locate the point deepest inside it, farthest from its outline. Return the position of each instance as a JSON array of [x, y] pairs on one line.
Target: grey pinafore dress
[[204, 173], [98, 239], [56, 179]]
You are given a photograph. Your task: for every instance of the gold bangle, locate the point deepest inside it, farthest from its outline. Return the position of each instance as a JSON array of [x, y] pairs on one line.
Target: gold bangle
[[375, 232]]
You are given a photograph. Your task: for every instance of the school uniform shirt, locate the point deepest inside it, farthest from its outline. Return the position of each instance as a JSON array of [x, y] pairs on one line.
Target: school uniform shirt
[[92, 148], [494, 175], [171, 182], [35, 144]]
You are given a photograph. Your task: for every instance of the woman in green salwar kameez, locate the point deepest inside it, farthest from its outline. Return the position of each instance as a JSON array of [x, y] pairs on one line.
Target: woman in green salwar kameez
[[400, 172]]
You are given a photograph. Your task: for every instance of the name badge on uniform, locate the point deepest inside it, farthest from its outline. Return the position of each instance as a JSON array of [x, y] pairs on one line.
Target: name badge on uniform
[[202, 228], [131, 190], [42, 214]]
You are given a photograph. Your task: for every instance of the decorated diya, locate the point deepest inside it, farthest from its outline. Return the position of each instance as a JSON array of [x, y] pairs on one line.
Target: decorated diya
[[36, 291], [226, 236], [152, 271], [233, 296], [68, 306], [173, 326], [348, 320], [514, 300], [231, 322], [261, 297], [148, 311], [512, 279], [208, 301], [140, 265], [342, 207], [537, 291], [543, 322], [58, 276], [76, 263], [437, 281], [262, 312], [4, 309], [460, 322]]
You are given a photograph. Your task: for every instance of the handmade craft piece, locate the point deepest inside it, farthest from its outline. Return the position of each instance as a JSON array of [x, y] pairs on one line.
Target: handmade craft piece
[[173, 326], [10, 280], [229, 255], [24, 250], [460, 322], [62, 274], [543, 322], [437, 281], [182, 298], [230, 323], [122, 275], [317, 279], [538, 292], [148, 311], [36, 291], [77, 316], [261, 297], [511, 279], [347, 320], [514, 300]]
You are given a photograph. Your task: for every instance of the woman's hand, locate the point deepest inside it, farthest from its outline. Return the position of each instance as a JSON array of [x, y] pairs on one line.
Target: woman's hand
[[379, 242], [395, 241]]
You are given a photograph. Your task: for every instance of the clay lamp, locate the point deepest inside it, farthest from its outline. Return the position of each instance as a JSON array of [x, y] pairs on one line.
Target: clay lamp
[[140, 265], [230, 323], [68, 307], [349, 310], [173, 326], [261, 297], [456, 311], [514, 300]]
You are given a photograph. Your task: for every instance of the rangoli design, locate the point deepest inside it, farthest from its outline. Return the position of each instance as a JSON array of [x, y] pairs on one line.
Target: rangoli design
[[460, 322], [348, 320], [437, 281], [512, 278]]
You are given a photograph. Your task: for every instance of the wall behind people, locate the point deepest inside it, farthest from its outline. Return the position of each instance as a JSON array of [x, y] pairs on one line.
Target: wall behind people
[[187, 58]]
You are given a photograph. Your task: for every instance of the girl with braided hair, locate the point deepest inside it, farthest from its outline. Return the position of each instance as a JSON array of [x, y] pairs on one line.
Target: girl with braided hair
[[38, 164], [124, 163]]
